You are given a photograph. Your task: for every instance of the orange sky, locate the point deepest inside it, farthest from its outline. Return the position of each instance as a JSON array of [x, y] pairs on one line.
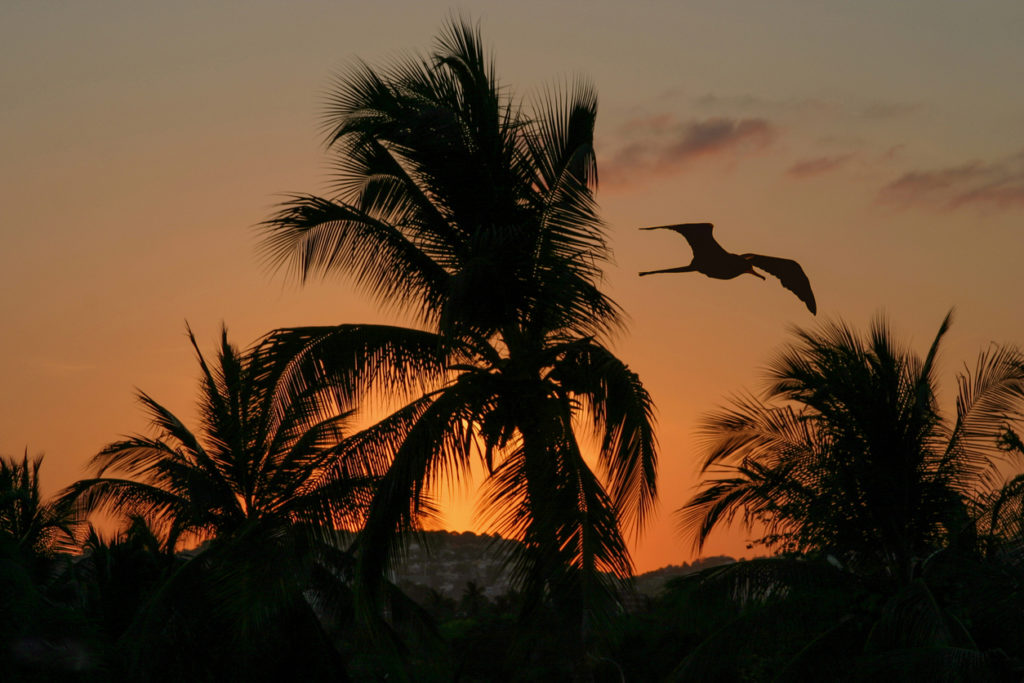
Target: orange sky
[[880, 144]]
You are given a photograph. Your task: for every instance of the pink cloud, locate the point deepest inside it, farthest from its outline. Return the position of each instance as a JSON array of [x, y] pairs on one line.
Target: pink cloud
[[999, 184], [717, 135], [663, 144], [818, 165]]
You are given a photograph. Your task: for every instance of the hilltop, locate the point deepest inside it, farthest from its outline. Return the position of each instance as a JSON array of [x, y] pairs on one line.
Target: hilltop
[[446, 562]]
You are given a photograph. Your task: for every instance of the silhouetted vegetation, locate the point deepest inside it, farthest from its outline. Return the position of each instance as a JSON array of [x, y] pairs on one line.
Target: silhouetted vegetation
[[272, 590], [277, 542], [881, 511], [475, 214]]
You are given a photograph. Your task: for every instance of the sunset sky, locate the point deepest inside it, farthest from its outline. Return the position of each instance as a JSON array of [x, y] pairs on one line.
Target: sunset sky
[[880, 144]]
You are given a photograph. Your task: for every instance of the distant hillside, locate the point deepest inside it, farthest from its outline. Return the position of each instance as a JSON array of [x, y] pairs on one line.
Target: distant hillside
[[651, 583], [447, 561]]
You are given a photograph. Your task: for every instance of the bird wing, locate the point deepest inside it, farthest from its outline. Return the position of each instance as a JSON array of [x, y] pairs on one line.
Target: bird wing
[[697, 234], [790, 274]]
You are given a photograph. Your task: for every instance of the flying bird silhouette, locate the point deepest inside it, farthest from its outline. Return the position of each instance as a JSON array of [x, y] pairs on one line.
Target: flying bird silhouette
[[711, 259]]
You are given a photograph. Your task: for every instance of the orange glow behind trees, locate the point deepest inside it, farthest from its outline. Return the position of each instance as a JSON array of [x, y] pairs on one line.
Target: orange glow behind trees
[[878, 145]]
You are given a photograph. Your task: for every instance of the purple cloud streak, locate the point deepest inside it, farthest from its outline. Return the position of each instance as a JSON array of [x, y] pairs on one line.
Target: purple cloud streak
[[818, 165], [999, 184], [662, 144]]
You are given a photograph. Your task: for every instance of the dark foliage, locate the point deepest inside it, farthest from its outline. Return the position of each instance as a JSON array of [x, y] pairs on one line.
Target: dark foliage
[[474, 212]]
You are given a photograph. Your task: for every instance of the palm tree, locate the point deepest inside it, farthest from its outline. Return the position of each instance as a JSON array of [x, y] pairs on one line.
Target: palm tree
[[114, 576], [266, 458], [38, 528], [848, 455], [880, 506], [41, 638], [459, 205], [265, 487]]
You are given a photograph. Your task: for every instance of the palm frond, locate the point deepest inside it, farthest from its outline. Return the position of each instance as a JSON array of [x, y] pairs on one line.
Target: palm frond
[[322, 236], [572, 548], [988, 401], [622, 413], [437, 440], [352, 360], [166, 512], [41, 527]]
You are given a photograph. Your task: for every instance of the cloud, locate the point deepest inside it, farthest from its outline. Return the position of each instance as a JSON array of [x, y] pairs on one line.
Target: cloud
[[818, 165], [999, 184], [890, 110], [662, 144], [717, 135]]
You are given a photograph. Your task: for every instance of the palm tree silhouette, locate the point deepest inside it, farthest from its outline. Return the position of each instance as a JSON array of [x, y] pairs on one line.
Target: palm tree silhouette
[[458, 206], [883, 508], [265, 487], [40, 637], [39, 528], [848, 454], [114, 576], [266, 458]]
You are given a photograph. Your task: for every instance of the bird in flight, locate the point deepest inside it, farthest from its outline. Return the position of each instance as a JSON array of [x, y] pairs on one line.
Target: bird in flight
[[711, 259]]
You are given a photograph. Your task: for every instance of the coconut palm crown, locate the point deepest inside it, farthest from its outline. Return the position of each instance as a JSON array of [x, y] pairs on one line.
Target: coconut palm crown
[[459, 205], [264, 457], [848, 454]]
